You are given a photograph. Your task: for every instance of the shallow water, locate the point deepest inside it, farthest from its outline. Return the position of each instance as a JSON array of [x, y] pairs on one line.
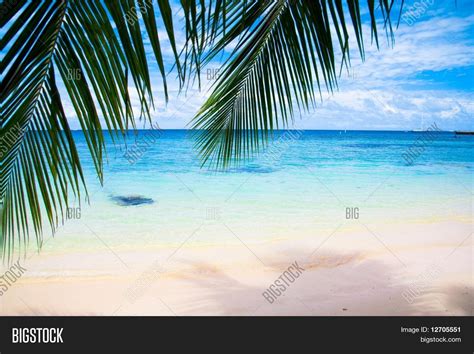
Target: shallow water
[[296, 187]]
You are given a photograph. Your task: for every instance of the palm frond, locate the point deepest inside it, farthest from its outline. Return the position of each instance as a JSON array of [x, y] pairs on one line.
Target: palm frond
[[94, 49], [287, 50]]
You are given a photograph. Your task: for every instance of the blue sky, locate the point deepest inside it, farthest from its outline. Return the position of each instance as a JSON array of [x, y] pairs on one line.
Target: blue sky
[[426, 77]]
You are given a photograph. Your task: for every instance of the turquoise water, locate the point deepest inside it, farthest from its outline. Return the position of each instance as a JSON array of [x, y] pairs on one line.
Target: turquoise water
[[299, 186]]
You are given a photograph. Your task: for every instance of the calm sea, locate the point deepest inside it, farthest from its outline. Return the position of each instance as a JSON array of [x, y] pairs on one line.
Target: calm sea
[[304, 183]]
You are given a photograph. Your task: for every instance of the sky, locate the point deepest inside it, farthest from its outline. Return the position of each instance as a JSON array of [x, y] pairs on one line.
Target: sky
[[426, 77]]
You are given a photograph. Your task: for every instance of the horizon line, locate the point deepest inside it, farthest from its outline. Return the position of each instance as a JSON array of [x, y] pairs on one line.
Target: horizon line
[[276, 130]]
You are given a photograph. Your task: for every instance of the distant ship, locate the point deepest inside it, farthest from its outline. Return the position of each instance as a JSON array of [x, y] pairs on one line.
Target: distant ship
[[458, 132]]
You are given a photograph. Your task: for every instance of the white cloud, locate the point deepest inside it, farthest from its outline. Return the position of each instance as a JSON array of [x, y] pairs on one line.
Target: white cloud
[[384, 92]]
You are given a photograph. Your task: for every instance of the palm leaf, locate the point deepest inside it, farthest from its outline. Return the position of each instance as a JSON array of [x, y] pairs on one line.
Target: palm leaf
[[286, 52], [93, 49]]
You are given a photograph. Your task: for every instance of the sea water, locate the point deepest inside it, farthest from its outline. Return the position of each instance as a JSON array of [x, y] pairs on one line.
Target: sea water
[[303, 184]]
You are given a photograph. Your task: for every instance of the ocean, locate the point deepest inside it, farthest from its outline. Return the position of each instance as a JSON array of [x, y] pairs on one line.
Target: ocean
[[305, 183]]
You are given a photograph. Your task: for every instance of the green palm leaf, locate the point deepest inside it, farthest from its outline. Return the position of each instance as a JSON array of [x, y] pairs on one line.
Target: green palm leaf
[[287, 50], [94, 49]]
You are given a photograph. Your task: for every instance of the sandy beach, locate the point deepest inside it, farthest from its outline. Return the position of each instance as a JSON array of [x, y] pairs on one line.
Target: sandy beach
[[356, 269]]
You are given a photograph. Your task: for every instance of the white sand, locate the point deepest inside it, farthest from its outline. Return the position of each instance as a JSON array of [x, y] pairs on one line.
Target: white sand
[[353, 272]]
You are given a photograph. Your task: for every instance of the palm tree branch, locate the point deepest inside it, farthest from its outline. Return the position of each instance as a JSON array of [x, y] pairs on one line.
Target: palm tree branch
[[275, 69], [94, 50]]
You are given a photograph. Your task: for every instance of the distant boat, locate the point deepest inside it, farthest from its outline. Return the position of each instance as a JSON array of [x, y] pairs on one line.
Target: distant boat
[[457, 132]]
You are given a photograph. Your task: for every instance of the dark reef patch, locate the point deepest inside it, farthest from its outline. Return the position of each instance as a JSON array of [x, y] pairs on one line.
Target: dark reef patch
[[131, 200]]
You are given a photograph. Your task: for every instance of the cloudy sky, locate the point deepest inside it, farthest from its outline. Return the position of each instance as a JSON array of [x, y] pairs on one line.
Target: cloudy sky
[[426, 77]]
